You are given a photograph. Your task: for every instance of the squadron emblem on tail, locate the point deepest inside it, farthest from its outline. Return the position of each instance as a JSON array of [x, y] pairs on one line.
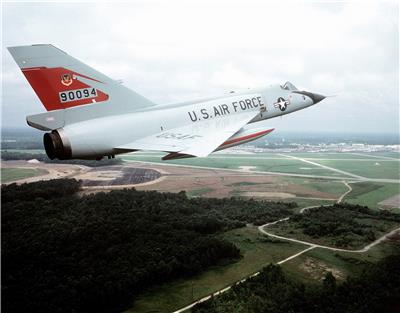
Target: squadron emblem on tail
[[66, 79]]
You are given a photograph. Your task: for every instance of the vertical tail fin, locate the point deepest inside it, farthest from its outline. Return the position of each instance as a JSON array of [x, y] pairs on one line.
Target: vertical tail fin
[[61, 81]]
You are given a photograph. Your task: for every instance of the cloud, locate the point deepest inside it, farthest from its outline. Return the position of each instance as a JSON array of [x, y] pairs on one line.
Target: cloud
[[171, 51]]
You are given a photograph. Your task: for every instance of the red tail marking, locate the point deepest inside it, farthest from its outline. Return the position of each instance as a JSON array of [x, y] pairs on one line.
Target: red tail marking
[[48, 83]]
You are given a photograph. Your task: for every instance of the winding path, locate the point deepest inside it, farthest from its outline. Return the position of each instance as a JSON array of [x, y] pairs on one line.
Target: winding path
[[309, 244], [365, 249], [350, 189]]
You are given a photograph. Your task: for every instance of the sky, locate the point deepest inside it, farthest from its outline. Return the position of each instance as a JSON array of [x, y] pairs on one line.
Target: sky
[[174, 51]]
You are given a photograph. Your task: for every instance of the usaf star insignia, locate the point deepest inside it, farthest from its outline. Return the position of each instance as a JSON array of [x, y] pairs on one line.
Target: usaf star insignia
[[281, 103]]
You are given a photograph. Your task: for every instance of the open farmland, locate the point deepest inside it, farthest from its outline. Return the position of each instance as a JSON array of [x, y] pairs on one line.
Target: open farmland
[[308, 178], [373, 178], [13, 174]]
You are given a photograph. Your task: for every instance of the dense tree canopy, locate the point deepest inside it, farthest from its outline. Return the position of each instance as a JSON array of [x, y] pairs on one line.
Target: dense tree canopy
[[348, 223], [64, 253]]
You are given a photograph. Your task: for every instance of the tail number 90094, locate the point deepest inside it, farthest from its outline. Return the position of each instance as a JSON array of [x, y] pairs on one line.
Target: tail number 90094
[[77, 94]]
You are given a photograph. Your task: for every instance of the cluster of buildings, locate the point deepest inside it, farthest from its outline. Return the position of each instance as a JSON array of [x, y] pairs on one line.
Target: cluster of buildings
[[316, 148]]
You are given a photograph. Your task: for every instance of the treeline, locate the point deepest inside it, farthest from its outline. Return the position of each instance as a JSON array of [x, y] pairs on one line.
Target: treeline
[[40, 190], [346, 222], [376, 290], [64, 253], [21, 139], [42, 157], [241, 212]]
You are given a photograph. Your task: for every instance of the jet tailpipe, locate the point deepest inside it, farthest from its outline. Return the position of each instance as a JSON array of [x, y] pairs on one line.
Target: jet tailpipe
[[57, 146]]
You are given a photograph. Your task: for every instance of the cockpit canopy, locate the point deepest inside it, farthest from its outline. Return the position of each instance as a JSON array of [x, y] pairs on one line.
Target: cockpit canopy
[[289, 86]]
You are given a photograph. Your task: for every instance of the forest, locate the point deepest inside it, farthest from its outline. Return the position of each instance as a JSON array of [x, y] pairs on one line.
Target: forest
[[62, 252], [376, 290]]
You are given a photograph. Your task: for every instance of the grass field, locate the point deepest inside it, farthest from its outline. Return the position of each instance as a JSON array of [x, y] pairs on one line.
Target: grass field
[[198, 192], [259, 163], [257, 252], [13, 174], [337, 155], [333, 187], [378, 165], [395, 155], [370, 193], [370, 169], [372, 165], [346, 263]]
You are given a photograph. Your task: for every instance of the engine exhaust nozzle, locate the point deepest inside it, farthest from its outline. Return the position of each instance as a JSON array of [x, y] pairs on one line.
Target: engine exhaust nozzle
[[56, 147]]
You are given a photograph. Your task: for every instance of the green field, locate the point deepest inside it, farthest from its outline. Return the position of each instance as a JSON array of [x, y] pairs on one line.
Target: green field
[[257, 251], [346, 155], [369, 166], [370, 169], [13, 174], [262, 164], [333, 187], [199, 192], [333, 155], [395, 155], [371, 193], [346, 263]]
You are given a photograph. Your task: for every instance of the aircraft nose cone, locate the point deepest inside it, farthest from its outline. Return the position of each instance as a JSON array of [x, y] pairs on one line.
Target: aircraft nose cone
[[314, 96], [317, 97]]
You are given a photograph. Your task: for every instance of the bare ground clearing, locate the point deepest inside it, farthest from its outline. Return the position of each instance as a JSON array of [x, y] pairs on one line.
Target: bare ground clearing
[[390, 203]]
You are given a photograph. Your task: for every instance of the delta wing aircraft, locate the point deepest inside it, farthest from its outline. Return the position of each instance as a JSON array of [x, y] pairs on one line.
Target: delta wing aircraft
[[90, 115]]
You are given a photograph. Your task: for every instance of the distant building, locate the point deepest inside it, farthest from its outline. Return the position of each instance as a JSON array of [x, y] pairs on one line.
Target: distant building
[[33, 161]]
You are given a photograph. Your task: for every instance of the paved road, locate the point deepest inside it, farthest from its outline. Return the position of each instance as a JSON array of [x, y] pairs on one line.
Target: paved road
[[324, 166]]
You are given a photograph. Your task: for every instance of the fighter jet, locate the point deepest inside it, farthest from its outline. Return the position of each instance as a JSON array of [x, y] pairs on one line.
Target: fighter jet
[[90, 116]]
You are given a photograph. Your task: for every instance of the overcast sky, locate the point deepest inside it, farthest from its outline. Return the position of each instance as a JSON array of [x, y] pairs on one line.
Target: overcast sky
[[174, 51]]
